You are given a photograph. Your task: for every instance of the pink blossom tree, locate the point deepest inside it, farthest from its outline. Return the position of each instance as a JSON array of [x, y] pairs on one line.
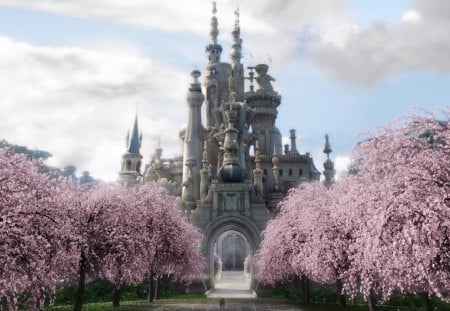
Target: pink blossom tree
[[32, 225], [175, 252], [105, 237], [306, 239], [403, 241]]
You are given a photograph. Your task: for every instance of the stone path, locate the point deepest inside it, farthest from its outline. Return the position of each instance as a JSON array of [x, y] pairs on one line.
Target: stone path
[[230, 305], [232, 284]]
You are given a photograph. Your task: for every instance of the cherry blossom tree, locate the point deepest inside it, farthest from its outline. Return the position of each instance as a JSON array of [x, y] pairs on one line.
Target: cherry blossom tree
[[32, 225], [175, 251], [306, 239], [403, 241], [104, 237]]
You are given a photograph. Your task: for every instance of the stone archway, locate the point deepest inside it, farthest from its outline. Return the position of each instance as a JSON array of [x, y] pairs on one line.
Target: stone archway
[[236, 226]]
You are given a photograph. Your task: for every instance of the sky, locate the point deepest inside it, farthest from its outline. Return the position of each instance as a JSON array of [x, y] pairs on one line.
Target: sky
[[75, 72]]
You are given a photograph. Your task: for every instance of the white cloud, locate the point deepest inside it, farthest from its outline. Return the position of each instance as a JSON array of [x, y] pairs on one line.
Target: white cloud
[[411, 17], [419, 41], [78, 103], [341, 163]]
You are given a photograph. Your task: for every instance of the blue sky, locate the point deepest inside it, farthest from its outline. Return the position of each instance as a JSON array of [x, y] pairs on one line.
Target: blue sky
[[77, 71]]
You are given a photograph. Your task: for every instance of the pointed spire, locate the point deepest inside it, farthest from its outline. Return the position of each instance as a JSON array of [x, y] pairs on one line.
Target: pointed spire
[[214, 24], [327, 148], [135, 141], [214, 49], [236, 48], [328, 165]]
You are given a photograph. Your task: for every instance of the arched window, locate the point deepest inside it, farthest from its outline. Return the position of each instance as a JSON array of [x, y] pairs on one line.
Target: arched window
[[281, 172], [300, 172], [290, 172], [128, 167]]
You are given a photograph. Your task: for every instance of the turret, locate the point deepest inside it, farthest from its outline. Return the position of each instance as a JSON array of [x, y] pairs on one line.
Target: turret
[[329, 171], [130, 172], [265, 102], [193, 140], [214, 49], [293, 142]]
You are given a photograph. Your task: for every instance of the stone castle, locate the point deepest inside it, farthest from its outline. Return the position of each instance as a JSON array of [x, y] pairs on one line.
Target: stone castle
[[234, 169]]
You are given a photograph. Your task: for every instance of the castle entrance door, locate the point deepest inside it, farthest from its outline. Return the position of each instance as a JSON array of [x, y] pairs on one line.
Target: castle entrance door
[[232, 266]]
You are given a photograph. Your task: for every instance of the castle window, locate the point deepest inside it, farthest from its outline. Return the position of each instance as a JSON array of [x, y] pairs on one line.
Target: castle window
[[300, 172], [128, 167], [290, 172], [281, 172]]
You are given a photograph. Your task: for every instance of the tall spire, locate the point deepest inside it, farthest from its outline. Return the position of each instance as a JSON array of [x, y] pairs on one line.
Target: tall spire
[[135, 141], [236, 49], [328, 165], [214, 49]]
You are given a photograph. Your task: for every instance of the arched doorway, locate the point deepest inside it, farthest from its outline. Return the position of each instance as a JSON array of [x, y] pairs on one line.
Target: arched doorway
[[232, 241], [232, 261]]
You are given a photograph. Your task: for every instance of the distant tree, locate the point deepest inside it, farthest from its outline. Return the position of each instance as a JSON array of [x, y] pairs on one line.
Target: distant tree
[[86, 178], [32, 249]]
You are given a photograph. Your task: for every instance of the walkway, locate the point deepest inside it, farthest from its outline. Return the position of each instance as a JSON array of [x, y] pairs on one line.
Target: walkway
[[230, 305], [232, 284]]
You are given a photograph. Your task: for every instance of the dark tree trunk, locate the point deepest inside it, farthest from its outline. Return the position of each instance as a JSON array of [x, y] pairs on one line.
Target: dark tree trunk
[[340, 297], [79, 296], [157, 288], [428, 302], [151, 291], [305, 290], [372, 302], [117, 294]]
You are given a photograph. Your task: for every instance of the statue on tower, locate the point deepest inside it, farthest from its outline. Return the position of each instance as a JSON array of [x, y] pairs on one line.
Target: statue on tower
[[263, 79]]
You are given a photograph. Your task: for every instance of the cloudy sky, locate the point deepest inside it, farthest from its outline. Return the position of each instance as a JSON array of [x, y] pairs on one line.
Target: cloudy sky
[[75, 72]]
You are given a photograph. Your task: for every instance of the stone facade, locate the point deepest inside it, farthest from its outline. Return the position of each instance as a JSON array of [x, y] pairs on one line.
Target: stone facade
[[234, 169]]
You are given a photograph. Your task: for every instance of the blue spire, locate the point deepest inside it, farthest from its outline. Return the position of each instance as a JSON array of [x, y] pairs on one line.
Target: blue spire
[[135, 141]]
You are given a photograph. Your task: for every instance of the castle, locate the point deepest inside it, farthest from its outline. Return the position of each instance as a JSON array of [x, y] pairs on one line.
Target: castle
[[234, 169]]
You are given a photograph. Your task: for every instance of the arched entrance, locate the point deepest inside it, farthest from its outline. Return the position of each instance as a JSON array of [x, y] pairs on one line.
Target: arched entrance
[[232, 259], [230, 246]]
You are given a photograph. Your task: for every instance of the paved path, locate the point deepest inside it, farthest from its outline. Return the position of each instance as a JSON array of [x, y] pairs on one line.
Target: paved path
[[232, 284], [230, 305]]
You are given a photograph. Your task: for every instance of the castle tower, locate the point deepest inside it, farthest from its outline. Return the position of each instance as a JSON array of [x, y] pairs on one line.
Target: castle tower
[[328, 165], [265, 102], [193, 144], [130, 172], [216, 83]]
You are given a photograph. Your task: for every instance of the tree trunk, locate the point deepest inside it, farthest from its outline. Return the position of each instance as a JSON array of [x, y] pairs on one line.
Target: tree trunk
[[340, 297], [305, 290], [151, 292], [79, 297], [428, 302], [157, 288], [371, 301], [117, 294]]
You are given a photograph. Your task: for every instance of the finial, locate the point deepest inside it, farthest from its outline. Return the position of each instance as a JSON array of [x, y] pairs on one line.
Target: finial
[[327, 148], [236, 20], [214, 24]]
